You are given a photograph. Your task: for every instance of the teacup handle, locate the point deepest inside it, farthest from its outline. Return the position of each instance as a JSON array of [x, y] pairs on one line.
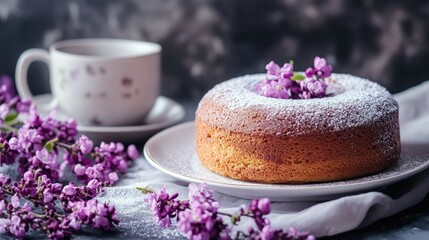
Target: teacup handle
[[21, 81]]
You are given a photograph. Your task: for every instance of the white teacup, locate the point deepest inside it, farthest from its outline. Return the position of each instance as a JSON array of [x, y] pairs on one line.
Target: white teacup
[[107, 82]]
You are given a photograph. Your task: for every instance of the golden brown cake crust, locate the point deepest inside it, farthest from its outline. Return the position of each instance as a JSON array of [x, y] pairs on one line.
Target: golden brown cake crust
[[329, 145]]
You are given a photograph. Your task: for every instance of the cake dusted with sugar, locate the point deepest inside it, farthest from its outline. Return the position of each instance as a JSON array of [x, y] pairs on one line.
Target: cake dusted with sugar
[[246, 132]]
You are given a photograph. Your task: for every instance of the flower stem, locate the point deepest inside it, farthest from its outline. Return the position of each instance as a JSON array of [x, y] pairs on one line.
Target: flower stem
[[224, 214], [7, 128], [64, 145], [238, 233], [33, 200]]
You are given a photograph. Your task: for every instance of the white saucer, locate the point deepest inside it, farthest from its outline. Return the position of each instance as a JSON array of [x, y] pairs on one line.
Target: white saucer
[[164, 113], [173, 152]]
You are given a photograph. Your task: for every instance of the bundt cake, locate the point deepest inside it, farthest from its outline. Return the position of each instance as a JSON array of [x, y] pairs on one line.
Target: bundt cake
[[352, 132]]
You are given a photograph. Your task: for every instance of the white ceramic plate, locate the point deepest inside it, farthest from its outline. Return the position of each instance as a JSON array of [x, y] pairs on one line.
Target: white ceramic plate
[[173, 152], [164, 113]]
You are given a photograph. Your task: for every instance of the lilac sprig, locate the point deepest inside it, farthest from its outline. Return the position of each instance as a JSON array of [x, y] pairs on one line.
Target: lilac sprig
[[38, 141], [36, 202], [102, 163], [201, 220], [282, 82], [62, 209], [199, 217], [163, 206]]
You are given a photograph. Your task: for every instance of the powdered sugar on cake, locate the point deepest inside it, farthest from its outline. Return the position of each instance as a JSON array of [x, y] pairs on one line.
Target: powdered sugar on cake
[[354, 102]]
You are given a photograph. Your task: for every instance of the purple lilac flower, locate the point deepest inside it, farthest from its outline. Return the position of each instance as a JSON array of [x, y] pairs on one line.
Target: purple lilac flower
[[31, 137], [198, 223], [56, 229], [28, 186], [201, 221], [71, 194], [258, 208], [2, 205], [7, 82], [284, 83], [264, 206], [38, 187], [4, 180], [278, 81], [4, 223], [113, 177], [295, 234], [79, 170], [19, 222], [275, 88], [110, 159], [45, 161], [163, 206], [312, 88], [321, 69], [27, 140], [95, 172], [199, 218], [15, 201], [69, 190], [200, 195], [94, 184], [84, 144], [49, 128], [78, 202], [16, 226], [274, 71], [7, 154], [23, 106], [67, 131], [4, 110], [76, 158], [106, 149], [94, 214], [132, 152], [35, 146], [268, 233], [7, 91]]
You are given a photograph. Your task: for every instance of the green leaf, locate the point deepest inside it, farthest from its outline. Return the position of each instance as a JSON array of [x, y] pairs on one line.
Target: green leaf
[[297, 77], [235, 218], [49, 145], [145, 190], [291, 62], [10, 117], [1, 145]]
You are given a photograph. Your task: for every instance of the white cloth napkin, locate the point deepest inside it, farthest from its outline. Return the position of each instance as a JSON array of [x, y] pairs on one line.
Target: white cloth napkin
[[414, 114], [319, 218]]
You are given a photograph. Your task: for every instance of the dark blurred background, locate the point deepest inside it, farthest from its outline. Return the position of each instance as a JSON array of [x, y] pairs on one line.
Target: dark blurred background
[[208, 41]]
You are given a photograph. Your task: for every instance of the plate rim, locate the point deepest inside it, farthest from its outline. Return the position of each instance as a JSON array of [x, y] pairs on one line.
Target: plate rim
[[334, 189]]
